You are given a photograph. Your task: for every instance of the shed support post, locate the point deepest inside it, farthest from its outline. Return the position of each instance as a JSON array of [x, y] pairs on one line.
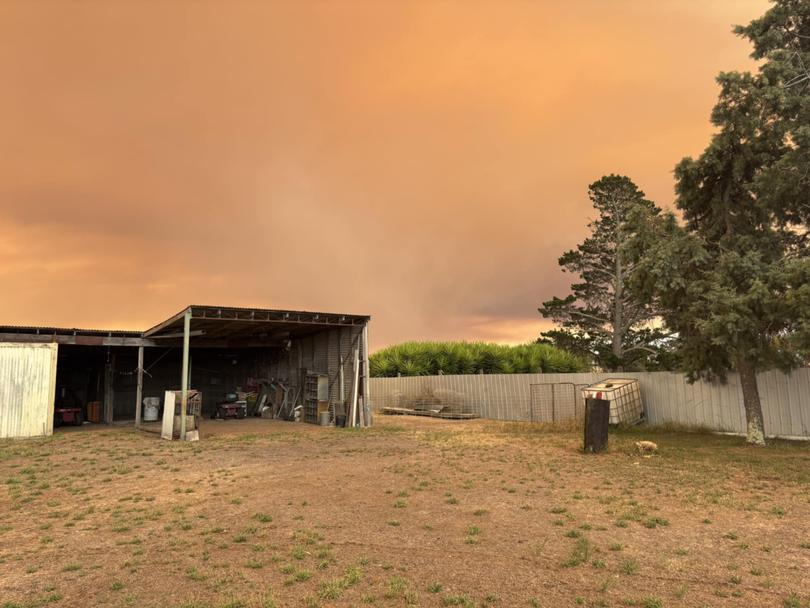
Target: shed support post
[[139, 389], [184, 381], [355, 385], [105, 412], [109, 389], [366, 397], [342, 388]]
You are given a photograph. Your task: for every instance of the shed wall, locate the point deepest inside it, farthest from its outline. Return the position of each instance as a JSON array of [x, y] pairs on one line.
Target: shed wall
[[325, 352], [27, 389]]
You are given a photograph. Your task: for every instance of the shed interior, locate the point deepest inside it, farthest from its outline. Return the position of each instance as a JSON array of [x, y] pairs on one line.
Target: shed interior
[[309, 357]]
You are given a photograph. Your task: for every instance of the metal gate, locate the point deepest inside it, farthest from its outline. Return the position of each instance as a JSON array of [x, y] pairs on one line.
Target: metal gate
[[555, 402]]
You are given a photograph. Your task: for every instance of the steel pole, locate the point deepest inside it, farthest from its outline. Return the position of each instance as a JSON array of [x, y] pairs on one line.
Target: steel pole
[[184, 382], [366, 395], [139, 390]]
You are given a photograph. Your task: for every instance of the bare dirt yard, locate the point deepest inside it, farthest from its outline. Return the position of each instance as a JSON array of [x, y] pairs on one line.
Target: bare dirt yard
[[414, 512]]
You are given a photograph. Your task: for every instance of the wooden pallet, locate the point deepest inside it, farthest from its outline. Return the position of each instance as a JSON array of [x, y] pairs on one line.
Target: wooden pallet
[[403, 411]]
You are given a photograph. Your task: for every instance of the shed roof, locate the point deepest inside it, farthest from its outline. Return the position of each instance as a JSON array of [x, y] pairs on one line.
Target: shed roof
[[210, 325], [42, 330], [228, 322]]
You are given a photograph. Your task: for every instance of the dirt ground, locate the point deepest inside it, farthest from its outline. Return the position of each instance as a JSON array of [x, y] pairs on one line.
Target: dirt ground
[[413, 512]]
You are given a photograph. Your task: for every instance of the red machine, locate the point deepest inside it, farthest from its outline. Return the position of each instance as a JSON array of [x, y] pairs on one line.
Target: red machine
[[231, 407], [68, 408]]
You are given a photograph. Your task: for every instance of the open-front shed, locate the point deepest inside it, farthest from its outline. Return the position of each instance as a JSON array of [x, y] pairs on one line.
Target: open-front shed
[[313, 364]]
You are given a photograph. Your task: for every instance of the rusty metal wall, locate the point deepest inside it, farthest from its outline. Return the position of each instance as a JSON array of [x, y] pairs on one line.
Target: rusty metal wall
[[324, 352], [667, 396], [27, 389]]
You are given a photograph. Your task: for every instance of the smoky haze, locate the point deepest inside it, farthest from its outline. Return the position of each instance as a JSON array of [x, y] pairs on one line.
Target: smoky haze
[[422, 162]]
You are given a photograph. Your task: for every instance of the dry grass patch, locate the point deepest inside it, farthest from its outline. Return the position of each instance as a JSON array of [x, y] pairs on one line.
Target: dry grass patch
[[267, 514]]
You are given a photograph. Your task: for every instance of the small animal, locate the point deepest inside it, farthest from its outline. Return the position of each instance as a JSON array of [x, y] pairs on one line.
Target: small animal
[[646, 447]]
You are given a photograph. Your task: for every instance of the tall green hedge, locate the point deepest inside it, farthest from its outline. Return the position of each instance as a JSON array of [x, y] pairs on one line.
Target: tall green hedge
[[428, 358]]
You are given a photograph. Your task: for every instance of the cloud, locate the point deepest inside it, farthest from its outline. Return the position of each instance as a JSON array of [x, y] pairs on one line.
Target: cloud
[[425, 163]]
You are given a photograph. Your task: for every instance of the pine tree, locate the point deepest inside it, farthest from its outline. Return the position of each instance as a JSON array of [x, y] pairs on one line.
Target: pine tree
[[734, 280], [602, 318], [781, 40]]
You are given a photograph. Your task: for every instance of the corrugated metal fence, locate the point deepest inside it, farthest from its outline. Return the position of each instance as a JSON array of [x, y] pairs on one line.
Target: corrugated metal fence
[[667, 396], [27, 387]]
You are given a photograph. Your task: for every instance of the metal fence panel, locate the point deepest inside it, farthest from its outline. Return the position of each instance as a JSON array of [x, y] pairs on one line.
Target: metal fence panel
[[667, 396], [542, 408], [553, 402]]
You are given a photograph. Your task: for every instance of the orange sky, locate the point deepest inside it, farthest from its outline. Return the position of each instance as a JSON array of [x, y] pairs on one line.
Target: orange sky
[[422, 162]]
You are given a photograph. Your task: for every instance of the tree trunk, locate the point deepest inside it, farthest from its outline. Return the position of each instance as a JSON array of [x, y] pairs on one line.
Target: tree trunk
[[753, 407], [618, 315]]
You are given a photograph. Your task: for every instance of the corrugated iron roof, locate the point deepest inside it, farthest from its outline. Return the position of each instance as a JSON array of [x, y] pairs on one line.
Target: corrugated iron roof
[[234, 314], [43, 330], [199, 311], [280, 311]]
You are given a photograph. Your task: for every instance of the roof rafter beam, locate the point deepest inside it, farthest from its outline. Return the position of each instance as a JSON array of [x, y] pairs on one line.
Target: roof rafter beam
[[196, 332], [166, 323], [76, 339]]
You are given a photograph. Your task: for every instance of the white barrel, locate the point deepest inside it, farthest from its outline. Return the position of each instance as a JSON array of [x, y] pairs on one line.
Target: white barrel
[[151, 406]]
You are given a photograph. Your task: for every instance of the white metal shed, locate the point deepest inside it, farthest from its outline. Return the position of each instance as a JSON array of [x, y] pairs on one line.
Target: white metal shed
[[27, 389]]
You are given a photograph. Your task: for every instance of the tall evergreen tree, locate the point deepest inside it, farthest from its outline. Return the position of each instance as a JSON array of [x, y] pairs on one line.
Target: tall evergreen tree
[[734, 280], [601, 318], [781, 40]]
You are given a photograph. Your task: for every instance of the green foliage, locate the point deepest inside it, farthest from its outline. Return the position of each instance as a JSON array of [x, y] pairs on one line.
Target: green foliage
[[781, 41], [727, 302], [602, 319], [431, 358], [644, 348], [734, 280]]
